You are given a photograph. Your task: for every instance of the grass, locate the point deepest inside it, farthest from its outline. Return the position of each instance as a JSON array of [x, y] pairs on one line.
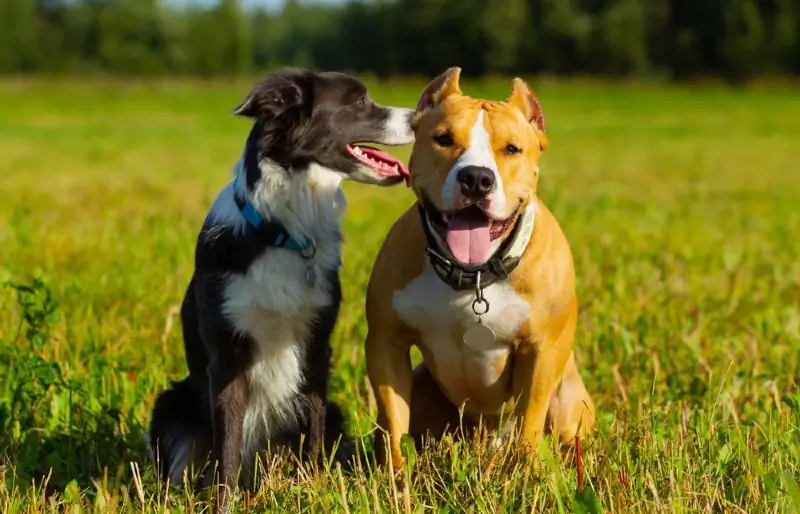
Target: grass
[[681, 207]]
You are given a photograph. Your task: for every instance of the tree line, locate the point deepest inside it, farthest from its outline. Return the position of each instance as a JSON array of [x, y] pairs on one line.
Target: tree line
[[733, 39]]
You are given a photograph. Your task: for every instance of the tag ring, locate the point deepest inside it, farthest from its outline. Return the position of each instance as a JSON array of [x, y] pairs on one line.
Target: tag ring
[[479, 300], [308, 255]]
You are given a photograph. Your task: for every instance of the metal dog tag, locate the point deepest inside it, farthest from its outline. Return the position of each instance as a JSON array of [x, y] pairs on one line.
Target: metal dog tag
[[309, 254], [311, 276], [479, 337]]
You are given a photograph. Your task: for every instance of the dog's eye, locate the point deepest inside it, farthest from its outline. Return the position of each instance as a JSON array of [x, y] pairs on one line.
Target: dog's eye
[[361, 101], [444, 139], [512, 149]]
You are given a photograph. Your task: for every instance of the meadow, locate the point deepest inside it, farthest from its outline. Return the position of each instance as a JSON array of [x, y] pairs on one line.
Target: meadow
[[682, 207]]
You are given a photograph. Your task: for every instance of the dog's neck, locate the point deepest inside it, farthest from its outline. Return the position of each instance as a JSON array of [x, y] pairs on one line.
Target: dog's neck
[[309, 204]]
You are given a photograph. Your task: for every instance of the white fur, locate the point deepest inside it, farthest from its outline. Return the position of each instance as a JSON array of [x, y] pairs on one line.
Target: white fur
[[398, 130], [309, 204], [273, 302], [438, 312], [478, 153]]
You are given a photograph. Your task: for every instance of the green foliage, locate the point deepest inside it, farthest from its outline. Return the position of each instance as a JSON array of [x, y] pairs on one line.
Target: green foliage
[[586, 502], [49, 427], [735, 39]]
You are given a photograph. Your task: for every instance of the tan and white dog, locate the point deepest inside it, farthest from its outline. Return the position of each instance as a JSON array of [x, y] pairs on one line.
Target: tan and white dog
[[479, 276]]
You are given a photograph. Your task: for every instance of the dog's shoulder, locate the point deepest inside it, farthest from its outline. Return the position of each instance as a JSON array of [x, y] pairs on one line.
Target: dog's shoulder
[[224, 245], [400, 260]]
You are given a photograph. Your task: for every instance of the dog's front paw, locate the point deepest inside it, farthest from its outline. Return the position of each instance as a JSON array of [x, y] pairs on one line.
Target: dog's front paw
[[398, 462]]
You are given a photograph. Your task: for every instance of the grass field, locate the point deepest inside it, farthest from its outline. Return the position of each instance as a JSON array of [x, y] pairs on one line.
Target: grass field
[[683, 211]]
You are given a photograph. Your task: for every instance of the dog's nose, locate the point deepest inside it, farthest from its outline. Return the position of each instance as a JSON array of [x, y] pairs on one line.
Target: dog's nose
[[476, 181]]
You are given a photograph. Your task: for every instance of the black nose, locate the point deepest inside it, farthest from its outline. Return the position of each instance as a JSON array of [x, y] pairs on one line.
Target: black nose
[[475, 181]]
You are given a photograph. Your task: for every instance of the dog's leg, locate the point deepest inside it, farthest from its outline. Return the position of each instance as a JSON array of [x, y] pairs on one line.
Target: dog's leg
[[228, 356], [537, 369], [338, 442], [571, 411], [390, 374], [315, 387], [432, 414], [229, 396]]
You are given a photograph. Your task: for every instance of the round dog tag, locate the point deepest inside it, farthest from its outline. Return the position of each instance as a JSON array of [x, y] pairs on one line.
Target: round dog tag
[[311, 276], [479, 337]]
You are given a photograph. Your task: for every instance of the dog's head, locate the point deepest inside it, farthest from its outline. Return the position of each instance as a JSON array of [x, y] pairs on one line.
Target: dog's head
[[474, 165], [302, 118]]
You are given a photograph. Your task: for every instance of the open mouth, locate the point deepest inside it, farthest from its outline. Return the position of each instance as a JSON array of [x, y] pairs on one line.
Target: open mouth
[[380, 161], [469, 232]]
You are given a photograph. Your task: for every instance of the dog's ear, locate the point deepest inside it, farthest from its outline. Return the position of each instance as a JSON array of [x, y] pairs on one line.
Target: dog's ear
[[280, 92], [523, 98], [440, 88]]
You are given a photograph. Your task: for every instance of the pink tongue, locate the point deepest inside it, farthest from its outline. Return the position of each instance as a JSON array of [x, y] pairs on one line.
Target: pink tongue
[[468, 236]]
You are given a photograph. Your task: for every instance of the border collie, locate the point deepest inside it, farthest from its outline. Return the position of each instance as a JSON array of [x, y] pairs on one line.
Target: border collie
[[262, 303]]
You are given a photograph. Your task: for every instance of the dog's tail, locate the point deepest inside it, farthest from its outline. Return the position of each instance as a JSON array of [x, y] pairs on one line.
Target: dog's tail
[[179, 432]]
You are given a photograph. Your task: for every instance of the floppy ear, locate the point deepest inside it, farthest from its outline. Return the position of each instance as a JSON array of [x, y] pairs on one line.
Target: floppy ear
[[523, 98], [279, 92], [440, 88]]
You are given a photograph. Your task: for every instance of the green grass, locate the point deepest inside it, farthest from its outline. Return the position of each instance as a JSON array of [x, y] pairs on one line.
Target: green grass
[[682, 208]]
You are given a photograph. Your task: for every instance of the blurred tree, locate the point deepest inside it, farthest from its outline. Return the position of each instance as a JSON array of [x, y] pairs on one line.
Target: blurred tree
[[266, 35], [658, 35], [438, 34], [18, 28], [697, 29], [504, 24], [219, 40], [687, 38], [785, 41], [567, 41], [299, 32], [131, 37], [370, 38], [624, 35], [741, 47]]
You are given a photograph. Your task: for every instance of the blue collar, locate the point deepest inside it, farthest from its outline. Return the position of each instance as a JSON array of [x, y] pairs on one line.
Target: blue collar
[[273, 232]]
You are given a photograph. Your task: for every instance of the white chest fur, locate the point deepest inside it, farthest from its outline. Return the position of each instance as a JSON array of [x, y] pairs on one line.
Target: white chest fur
[[441, 315], [275, 305], [273, 302]]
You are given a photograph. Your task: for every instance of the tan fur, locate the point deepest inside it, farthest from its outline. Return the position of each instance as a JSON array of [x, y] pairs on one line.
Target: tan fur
[[535, 375]]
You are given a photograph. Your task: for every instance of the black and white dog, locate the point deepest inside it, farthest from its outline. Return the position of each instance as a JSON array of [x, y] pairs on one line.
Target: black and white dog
[[265, 294]]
